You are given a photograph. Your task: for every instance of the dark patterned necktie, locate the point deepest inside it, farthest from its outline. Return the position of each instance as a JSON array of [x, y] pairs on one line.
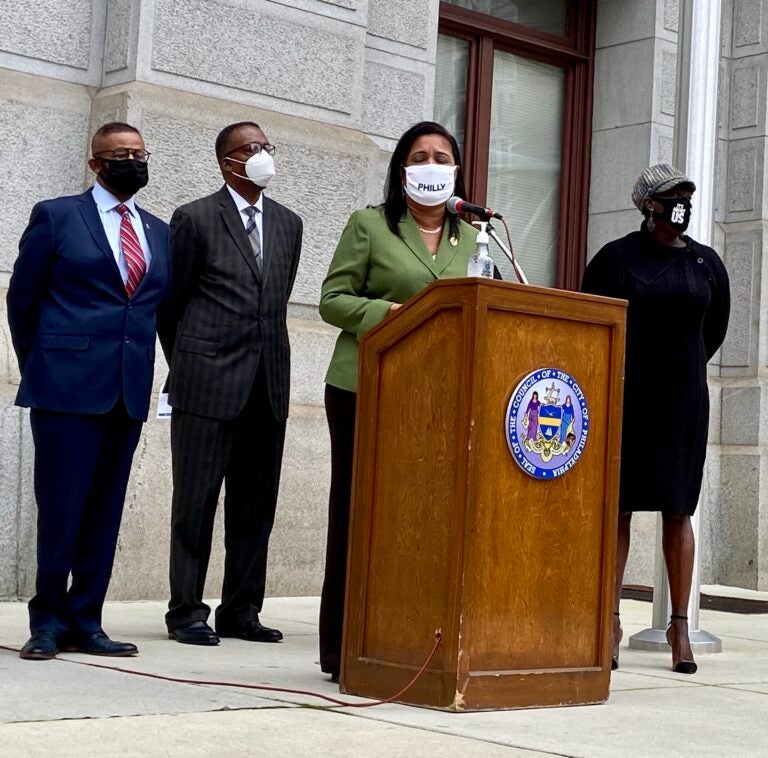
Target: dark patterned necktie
[[252, 230]]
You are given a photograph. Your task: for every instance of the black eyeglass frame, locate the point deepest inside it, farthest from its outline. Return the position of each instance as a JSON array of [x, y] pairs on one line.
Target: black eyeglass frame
[[254, 148], [125, 153]]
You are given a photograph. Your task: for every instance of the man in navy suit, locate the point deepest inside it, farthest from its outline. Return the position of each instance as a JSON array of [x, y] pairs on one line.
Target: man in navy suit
[[82, 303]]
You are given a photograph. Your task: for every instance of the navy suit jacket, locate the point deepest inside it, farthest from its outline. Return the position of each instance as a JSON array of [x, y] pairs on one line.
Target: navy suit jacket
[[81, 342]]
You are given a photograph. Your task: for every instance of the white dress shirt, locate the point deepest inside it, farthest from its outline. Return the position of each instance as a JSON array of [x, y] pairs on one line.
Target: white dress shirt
[[107, 204], [242, 204]]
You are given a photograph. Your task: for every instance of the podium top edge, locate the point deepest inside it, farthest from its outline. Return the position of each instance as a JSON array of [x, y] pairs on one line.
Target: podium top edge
[[480, 293], [501, 284]]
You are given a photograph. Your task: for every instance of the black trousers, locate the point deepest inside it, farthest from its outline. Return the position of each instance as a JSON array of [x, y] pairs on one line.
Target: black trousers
[[246, 454], [340, 411], [82, 464]]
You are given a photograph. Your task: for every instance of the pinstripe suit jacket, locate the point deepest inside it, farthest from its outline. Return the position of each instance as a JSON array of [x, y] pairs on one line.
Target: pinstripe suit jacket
[[223, 317]]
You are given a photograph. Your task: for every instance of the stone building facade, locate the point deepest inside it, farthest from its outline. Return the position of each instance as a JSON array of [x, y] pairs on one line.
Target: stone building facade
[[334, 83]]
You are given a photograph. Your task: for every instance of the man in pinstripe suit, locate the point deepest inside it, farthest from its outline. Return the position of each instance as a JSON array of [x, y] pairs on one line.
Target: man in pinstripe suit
[[234, 260]]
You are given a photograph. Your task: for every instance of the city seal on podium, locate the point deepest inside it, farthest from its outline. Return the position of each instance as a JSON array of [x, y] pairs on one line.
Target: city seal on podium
[[547, 423]]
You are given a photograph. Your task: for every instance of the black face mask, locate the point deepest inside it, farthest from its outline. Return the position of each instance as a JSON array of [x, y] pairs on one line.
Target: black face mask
[[125, 177], [676, 213]]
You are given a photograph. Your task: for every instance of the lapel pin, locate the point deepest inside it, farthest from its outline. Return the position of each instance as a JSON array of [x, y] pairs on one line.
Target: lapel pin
[[454, 241]]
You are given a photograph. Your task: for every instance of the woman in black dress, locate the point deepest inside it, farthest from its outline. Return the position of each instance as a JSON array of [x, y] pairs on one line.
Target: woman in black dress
[[679, 304]]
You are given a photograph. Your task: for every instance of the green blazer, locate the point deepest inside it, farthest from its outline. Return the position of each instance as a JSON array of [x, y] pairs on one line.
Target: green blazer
[[373, 268]]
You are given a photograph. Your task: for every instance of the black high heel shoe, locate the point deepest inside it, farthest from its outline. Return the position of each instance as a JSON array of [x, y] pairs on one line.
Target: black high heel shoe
[[679, 667], [616, 642]]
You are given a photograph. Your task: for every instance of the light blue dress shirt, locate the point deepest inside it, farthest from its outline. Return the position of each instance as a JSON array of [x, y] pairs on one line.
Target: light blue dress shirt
[[107, 204]]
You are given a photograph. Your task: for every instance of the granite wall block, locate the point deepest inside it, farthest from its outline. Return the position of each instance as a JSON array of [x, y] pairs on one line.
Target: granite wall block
[[670, 16], [619, 70], [737, 526], [741, 406], [121, 35], [27, 508], [44, 127], [57, 31], [394, 98], [619, 22], [405, 21], [747, 97], [743, 256], [745, 179], [10, 441], [748, 28], [312, 63], [666, 81], [618, 157]]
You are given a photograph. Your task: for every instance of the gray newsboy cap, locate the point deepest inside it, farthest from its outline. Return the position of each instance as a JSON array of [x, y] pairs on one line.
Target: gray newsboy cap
[[658, 179]]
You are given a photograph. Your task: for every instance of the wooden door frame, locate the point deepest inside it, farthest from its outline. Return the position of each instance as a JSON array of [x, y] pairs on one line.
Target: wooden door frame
[[575, 54]]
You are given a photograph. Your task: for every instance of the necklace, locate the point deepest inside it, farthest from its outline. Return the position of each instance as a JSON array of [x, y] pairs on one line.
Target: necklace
[[431, 231]]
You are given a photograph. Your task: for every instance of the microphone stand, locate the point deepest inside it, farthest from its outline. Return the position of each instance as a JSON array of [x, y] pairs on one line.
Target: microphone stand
[[519, 273]]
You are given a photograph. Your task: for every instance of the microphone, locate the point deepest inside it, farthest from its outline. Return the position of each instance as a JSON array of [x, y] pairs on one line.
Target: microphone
[[457, 205]]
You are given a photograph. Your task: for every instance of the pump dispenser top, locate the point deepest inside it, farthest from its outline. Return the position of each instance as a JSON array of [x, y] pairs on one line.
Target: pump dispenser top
[[482, 233]]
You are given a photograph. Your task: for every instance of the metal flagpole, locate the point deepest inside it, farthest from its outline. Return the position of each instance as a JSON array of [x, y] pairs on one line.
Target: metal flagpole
[[695, 141]]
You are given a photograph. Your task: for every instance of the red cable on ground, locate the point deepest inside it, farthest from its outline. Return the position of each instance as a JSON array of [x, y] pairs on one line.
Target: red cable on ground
[[337, 703]]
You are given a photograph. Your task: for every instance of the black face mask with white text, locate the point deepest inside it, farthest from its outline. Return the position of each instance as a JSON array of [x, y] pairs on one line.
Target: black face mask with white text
[[676, 212]]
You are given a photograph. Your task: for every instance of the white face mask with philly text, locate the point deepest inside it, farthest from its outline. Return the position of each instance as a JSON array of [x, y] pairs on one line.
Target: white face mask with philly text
[[430, 183]]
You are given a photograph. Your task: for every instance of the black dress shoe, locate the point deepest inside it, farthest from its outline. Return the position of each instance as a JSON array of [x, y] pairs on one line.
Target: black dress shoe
[[252, 630], [196, 633], [98, 644], [41, 646]]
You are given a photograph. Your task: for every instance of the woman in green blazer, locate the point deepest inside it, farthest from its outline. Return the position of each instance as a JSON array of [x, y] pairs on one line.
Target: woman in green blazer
[[385, 256]]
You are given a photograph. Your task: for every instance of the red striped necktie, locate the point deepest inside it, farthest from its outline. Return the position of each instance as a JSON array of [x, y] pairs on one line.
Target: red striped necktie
[[131, 248]]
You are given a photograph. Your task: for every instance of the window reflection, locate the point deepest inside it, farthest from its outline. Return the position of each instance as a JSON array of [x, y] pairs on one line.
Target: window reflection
[[451, 86], [549, 16], [525, 160]]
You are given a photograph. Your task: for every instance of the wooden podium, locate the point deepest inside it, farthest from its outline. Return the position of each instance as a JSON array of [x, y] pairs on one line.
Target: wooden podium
[[447, 530]]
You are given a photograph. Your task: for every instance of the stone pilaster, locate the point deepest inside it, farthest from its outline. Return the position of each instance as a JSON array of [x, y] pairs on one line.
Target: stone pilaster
[[740, 543]]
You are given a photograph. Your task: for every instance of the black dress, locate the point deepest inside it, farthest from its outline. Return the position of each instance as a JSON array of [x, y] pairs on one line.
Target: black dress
[[679, 302]]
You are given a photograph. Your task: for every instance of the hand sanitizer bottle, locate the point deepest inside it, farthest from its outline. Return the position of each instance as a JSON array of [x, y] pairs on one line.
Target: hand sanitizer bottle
[[481, 264]]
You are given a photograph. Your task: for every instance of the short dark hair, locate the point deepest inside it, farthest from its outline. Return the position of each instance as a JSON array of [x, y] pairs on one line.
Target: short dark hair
[[223, 138], [113, 127], [394, 200]]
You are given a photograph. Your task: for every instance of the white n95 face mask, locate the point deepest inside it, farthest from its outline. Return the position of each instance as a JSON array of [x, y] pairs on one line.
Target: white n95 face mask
[[259, 168], [430, 183]]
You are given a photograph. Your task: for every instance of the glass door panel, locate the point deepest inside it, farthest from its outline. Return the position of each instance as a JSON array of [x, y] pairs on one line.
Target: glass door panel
[[525, 162]]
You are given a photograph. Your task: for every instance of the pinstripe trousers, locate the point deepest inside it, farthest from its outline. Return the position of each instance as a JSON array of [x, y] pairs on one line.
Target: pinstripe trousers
[[244, 453]]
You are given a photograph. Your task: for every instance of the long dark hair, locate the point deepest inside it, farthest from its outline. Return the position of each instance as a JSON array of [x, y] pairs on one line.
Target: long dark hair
[[394, 197]]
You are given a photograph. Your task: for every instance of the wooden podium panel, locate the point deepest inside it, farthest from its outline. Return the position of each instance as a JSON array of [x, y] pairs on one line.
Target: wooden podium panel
[[448, 532], [407, 458]]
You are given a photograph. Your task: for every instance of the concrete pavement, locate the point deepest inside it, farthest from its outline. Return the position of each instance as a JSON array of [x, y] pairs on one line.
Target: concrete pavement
[[66, 709]]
